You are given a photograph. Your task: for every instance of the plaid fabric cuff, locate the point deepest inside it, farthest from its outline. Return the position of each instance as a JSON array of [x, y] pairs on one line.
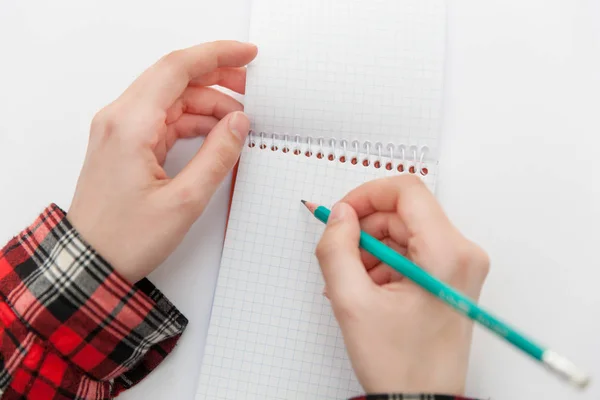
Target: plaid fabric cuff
[[70, 297], [413, 396]]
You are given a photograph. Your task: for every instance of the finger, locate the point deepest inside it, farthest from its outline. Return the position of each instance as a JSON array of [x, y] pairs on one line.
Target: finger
[[230, 78], [384, 224], [387, 227], [189, 125], [407, 195], [204, 101], [209, 101], [382, 274], [370, 261], [165, 81], [339, 257], [197, 182]]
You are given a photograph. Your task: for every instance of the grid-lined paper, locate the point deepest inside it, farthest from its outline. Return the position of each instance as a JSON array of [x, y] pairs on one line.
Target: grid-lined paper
[[272, 333], [349, 69], [353, 69]]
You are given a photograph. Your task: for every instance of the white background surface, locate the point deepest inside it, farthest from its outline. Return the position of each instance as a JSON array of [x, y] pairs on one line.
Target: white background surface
[[520, 136]]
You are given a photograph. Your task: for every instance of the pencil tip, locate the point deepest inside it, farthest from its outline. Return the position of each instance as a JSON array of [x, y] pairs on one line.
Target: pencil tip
[[311, 206]]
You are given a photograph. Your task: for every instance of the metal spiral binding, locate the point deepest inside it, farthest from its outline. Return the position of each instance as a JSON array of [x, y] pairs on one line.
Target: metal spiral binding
[[400, 158]]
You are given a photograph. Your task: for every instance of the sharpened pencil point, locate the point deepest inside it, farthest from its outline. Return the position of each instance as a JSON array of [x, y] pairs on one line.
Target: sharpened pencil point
[[311, 206]]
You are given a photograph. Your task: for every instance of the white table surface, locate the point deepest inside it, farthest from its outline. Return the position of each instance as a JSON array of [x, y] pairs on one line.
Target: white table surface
[[521, 133]]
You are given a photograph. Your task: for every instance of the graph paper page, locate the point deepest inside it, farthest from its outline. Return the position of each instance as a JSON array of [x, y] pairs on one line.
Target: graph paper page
[[353, 69], [272, 333]]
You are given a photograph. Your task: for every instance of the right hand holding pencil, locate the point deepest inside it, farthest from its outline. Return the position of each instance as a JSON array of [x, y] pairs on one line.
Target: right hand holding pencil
[[399, 337]]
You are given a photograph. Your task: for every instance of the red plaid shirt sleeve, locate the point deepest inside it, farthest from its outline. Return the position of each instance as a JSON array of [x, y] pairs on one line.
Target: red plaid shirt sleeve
[[70, 326], [414, 396]]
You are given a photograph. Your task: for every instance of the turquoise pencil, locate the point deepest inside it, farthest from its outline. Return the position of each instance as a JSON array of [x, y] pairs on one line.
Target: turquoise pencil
[[464, 305]]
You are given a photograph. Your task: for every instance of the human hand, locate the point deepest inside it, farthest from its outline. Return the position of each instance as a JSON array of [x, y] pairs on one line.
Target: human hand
[[399, 337], [125, 205]]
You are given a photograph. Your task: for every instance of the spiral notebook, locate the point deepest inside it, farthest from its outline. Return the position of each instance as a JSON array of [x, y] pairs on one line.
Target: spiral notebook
[[342, 92]]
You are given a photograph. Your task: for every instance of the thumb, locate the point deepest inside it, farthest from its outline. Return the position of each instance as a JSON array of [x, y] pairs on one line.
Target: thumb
[[339, 255], [216, 158]]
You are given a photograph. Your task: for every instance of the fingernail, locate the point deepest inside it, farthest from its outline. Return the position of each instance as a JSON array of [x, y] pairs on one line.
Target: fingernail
[[325, 292], [239, 125], [338, 212]]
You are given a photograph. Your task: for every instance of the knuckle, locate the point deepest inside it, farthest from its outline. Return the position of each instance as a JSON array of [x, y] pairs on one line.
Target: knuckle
[[216, 43], [451, 256], [471, 260], [348, 305], [172, 62], [388, 241], [129, 123], [407, 180], [103, 124], [171, 58], [418, 247], [329, 244], [482, 259], [213, 49], [323, 249], [187, 199]]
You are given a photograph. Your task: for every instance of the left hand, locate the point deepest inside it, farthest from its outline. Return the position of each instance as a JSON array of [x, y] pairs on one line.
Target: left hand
[[125, 205]]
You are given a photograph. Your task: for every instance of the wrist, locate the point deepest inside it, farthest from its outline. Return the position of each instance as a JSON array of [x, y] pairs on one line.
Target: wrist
[[422, 380], [429, 365], [103, 244]]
